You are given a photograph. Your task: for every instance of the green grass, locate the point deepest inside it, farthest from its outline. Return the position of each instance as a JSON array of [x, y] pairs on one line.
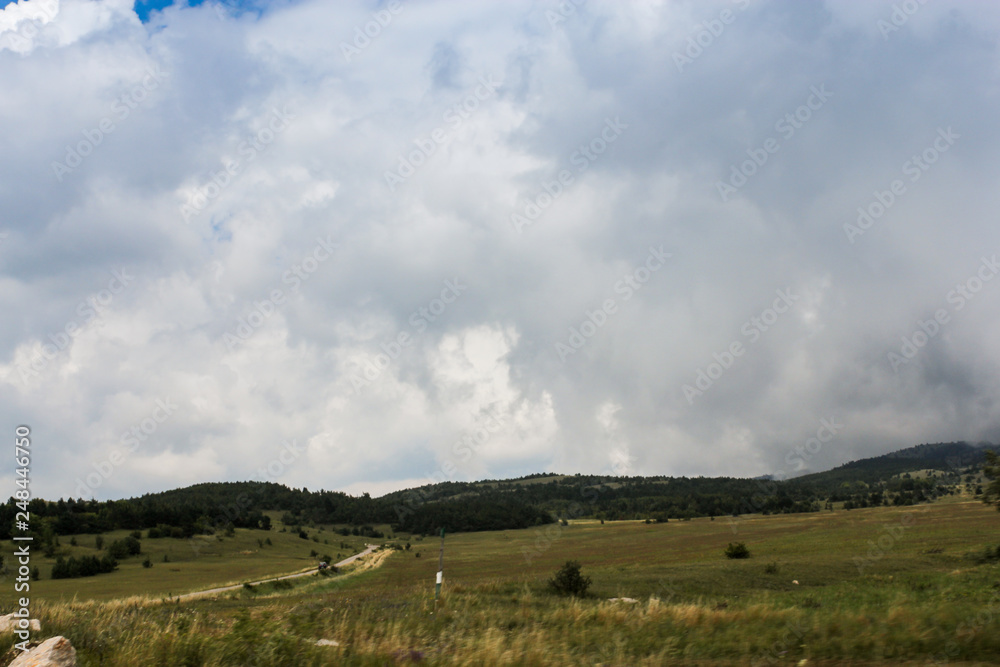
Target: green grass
[[923, 599], [194, 564]]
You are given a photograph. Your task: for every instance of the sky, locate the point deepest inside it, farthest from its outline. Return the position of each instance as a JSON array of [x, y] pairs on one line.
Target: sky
[[367, 246]]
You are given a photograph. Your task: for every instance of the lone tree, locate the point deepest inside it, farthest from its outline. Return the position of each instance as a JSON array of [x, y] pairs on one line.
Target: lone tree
[[569, 581], [991, 495]]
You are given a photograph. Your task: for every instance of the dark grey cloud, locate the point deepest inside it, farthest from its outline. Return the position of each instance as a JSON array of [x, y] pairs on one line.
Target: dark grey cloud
[[294, 196]]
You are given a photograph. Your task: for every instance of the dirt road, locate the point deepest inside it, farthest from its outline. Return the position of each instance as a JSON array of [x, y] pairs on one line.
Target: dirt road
[[223, 589]]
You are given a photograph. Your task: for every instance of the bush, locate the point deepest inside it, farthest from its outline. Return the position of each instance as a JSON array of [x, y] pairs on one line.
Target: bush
[[85, 566], [771, 568], [125, 548], [569, 581], [988, 555], [148, 563], [737, 550]]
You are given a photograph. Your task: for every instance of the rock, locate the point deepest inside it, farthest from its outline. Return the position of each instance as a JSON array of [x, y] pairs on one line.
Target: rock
[[54, 652], [8, 623]]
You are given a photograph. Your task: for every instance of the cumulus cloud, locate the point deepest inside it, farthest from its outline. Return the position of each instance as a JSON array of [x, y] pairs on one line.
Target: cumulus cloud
[[392, 243]]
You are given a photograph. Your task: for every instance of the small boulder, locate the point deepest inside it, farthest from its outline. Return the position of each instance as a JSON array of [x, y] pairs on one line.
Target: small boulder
[[327, 642], [54, 652], [9, 623]]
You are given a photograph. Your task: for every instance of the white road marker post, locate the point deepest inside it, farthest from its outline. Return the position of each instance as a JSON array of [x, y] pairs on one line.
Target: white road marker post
[[440, 572]]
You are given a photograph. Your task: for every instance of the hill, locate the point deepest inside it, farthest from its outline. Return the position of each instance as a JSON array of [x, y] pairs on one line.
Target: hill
[[514, 503]]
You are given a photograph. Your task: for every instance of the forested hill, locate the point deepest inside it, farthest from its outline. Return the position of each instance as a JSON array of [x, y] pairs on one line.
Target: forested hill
[[517, 503], [947, 457]]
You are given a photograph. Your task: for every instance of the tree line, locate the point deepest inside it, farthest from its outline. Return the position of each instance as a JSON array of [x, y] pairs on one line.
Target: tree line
[[507, 504]]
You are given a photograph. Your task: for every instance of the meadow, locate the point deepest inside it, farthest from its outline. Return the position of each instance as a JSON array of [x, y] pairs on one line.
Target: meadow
[[867, 586]]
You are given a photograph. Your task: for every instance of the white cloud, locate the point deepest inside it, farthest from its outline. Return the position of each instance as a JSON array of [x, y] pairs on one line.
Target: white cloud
[[256, 255]]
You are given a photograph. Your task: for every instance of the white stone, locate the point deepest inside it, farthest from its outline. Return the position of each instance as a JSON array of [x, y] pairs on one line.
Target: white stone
[[54, 652]]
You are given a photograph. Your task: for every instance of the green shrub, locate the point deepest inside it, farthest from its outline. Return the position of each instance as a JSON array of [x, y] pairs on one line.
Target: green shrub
[[771, 568], [569, 581], [737, 550], [988, 555], [84, 566], [129, 546]]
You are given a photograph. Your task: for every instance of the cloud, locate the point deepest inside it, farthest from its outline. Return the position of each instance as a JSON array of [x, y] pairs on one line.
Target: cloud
[[234, 163]]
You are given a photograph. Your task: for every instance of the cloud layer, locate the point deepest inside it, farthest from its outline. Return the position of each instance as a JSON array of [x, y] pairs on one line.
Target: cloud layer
[[362, 247]]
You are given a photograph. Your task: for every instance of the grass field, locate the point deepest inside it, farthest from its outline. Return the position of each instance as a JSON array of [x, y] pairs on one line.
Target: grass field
[[192, 564], [869, 586]]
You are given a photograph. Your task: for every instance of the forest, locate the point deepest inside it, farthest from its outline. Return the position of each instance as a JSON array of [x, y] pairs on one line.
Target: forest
[[510, 504]]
